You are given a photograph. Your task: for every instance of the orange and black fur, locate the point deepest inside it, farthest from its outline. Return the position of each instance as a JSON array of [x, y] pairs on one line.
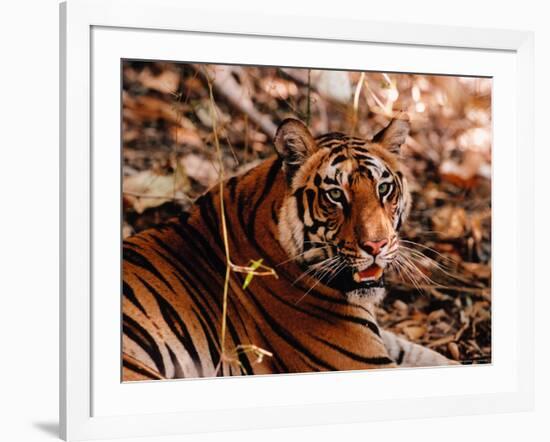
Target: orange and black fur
[[325, 214]]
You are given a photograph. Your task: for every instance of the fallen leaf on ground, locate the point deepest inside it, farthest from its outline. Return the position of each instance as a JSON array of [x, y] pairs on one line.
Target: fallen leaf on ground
[[200, 169], [335, 85], [147, 189], [464, 174], [453, 349], [414, 333], [450, 222], [167, 81]]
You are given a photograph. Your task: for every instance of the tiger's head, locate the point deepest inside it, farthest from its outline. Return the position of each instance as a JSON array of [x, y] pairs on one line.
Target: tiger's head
[[345, 202]]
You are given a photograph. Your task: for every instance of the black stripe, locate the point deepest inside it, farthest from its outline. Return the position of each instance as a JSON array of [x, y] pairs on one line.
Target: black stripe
[[355, 319], [332, 135], [139, 260], [269, 181], [329, 180], [204, 317], [209, 216], [232, 331], [275, 357], [372, 163], [128, 292], [400, 357], [191, 272], [184, 216], [243, 359], [175, 323], [232, 186], [299, 195], [133, 367], [338, 160], [235, 336], [274, 215], [288, 337], [144, 339], [204, 272], [241, 202], [200, 246], [295, 306], [337, 148], [377, 360], [362, 154], [365, 171], [178, 369], [306, 362], [208, 333], [234, 236], [237, 313], [177, 257], [310, 196], [317, 180], [191, 288]]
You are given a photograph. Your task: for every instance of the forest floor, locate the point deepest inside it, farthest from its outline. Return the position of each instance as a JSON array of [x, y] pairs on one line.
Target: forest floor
[[169, 160]]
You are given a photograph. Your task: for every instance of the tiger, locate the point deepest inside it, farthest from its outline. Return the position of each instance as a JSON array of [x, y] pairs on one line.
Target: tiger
[[324, 213]]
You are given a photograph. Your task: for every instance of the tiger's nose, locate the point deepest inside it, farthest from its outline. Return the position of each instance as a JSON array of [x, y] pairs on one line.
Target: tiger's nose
[[374, 247]]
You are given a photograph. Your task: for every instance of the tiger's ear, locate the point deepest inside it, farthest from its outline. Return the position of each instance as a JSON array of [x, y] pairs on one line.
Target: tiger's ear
[[294, 143], [394, 134]]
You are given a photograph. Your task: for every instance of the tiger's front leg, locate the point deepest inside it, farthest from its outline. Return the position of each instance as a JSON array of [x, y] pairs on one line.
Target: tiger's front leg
[[409, 354]]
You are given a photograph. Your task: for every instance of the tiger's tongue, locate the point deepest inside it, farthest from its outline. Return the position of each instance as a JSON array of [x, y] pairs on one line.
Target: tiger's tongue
[[374, 271]]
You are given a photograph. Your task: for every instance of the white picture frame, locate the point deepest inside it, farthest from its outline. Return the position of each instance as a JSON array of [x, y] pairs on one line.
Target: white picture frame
[[96, 33]]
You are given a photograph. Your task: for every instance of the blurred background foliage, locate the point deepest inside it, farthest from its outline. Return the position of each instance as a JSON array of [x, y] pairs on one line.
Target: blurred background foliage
[[169, 159]]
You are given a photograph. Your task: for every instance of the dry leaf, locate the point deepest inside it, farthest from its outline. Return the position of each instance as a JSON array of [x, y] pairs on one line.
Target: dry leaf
[[148, 108], [147, 189], [167, 81], [335, 85], [478, 269], [436, 315], [203, 112], [185, 136], [450, 222], [127, 230], [400, 306], [200, 169], [414, 333], [464, 174], [453, 350]]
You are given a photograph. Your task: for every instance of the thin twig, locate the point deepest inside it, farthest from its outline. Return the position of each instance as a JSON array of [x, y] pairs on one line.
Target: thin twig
[[308, 108], [161, 197], [356, 101], [230, 357]]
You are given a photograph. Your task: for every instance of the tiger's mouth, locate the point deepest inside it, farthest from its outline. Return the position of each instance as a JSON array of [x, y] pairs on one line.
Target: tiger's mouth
[[352, 279], [371, 274]]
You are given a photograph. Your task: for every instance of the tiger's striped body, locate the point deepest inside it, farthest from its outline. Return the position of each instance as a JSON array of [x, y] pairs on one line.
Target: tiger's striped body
[[173, 278]]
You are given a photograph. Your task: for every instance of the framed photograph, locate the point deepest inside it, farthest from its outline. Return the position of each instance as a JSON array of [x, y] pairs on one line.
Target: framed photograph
[[276, 221]]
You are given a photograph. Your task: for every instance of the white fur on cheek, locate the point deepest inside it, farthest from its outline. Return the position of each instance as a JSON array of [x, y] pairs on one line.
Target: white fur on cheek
[[290, 234]]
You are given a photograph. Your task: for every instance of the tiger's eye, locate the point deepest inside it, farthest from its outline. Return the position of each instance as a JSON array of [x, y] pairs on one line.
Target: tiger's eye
[[335, 194], [383, 189]]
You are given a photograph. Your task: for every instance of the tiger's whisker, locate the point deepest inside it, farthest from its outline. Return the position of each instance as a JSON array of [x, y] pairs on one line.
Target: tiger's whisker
[[416, 256], [320, 273], [409, 273], [302, 254], [337, 269], [315, 268], [406, 241], [422, 275]]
